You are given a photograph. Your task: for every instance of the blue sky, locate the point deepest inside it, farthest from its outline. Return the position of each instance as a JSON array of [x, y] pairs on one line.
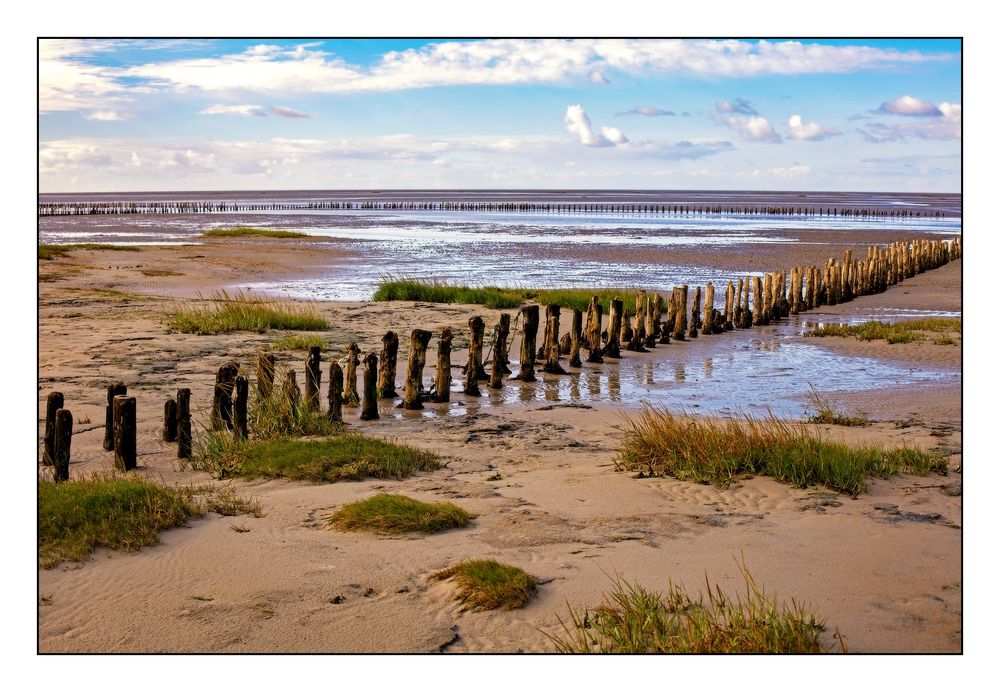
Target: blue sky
[[639, 113]]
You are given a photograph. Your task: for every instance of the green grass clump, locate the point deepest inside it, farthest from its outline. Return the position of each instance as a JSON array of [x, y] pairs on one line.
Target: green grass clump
[[246, 232], [395, 514], [489, 585], [658, 443], [500, 298], [225, 313], [635, 620], [160, 272], [826, 413], [49, 252], [299, 342], [895, 333]]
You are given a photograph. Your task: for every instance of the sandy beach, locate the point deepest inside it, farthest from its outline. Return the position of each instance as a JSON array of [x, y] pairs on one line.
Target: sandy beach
[[533, 465]]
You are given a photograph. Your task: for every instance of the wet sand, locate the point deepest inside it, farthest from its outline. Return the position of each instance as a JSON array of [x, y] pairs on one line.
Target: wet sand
[[884, 569]]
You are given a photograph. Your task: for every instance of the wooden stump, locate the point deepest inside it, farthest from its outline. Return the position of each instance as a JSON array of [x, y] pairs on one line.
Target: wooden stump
[[565, 344], [529, 314], [53, 403], [765, 309], [169, 420], [290, 399], [312, 377], [478, 328], [114, 389], [241, 395], [727, 316], [265, 375], [695, 313], [474, 364], [184, 423], [654, 310], [369, 400], [576, 336], [709, 325], [335, 395], [222, 402], [747, 316], [592, 332], [387, 366], [758, 302], [612, 348], [124, 415], [419, 338], [351, 397], [552, 365], [679, 310], [500, 352], [638, 336], [442, 380], [62, 436]]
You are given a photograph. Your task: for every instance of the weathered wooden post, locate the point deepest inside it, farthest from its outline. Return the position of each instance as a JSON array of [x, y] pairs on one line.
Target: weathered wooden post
[[369, 400], [638, 335], [727, 316], [552, 365], [241, 394], [612, 348], [124, 416], [53, 403], [169, 420], [62, 436], [500, 352], [351, 397], [442, 380], [265, 375], [312, 377], [114, 389], [758, 302], [708, 325], [695, 313], [222, 402], [576, 336], [335, 395], [419, 338], [478, 328], [530, 321], [472, 367], [592, 333], [680, 311], [654, 311], [387, 366], [765, 311], [290, 398], [184, 423]]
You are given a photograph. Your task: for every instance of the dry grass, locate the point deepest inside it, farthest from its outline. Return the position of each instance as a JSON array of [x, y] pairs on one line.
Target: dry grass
[[247, 232], [50, 252], [895, 333], [490, 585], [397, 514], [225, 313], [160, 272], [300, 342], [659, 443], [827, 413]]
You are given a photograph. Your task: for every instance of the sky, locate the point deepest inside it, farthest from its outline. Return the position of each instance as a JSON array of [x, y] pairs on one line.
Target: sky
[[227, 114]]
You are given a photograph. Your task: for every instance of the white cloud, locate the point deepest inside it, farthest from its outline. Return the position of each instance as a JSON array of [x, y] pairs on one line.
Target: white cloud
[[752, 128], [809, 131], [908, 105], [286, 112], [738, 105], [648, 111], [109, 115], [578, 124], [222, 109], [945, 126], [597, 77]]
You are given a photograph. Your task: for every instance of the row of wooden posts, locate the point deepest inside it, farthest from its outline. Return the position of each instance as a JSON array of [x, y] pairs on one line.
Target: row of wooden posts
[[775, 296], [205, 207]]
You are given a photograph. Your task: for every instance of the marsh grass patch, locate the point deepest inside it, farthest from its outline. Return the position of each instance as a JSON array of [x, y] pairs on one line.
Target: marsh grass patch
[[489, 584], [902, 332], [228, 312], [391, 514], [249, 232], [825, 412], [299, 342], [51, 252]]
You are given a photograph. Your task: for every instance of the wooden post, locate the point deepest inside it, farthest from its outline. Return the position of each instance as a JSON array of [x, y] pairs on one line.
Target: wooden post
[[351, 397], [335, 395], [290, 398], [552, 352], [765, 306], [530, 315], [478, 328], [222, 403], [576, 336], [312, 377], [419, 338], [442, 381], [747, 315], [184, 423], [500, 352], [369, 400], [62, 436], [612, 348], [114, 389], [592, 334], [241, 390], [265, 375], [727, 317], [758, 302], [169, 420], [124, 415], [695, 313], [53, 402], [638, 335], [709, 325], [387, 366], [654, 313]]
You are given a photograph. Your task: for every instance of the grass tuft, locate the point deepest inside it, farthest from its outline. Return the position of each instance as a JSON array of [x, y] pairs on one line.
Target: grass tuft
[[895, 333], [299, 342], [225, 313], [396, 514], [50, 252], [635, 620], [658, 443], [247, 232], [490, 585], [160, 272], [826, 413]]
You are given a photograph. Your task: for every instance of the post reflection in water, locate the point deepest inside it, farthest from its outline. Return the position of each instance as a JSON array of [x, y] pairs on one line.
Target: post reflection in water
[[708, 368], [614, 385], [679, 371]]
